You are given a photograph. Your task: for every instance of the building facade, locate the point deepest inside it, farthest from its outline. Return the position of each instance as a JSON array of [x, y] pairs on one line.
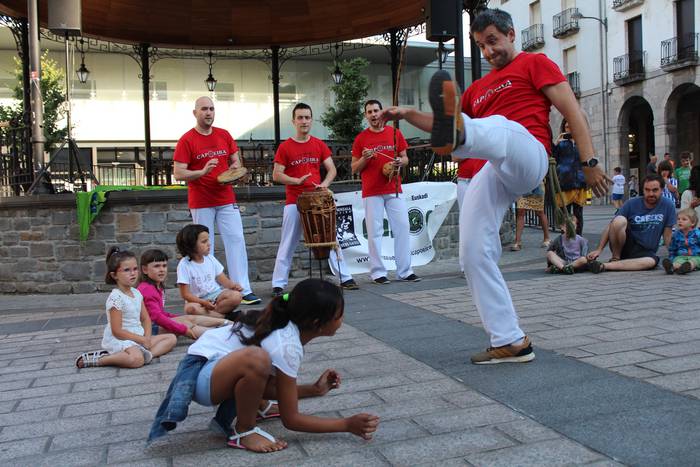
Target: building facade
[[633, 64]]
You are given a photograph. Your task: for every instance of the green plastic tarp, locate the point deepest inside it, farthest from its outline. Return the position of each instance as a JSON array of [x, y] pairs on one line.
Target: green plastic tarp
[[90, 203]]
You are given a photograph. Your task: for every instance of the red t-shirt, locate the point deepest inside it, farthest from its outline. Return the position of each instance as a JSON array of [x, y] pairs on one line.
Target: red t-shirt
[[373, 180], [467, 168], [300, 159], [515, 93], [195, 149]]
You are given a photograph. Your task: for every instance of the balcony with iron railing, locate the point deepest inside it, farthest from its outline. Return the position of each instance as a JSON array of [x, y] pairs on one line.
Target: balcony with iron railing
[[563, 24], [623, 5], [574, 79], [629, 68], [679, 52], [532, 37]]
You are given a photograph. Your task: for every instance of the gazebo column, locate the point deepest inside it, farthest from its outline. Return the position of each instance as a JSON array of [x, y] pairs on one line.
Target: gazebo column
[[459, 47], [276, 91], [474, 7], [145, 82], [395, 56], [38, 138], [26, 98]]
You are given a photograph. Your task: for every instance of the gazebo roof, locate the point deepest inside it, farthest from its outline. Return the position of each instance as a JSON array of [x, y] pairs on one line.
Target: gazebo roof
[[235, 23]]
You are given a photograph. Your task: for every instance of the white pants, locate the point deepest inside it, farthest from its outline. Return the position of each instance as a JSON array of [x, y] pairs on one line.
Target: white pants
[[230, 228], [291, 234], [397, 213], [517, 163], [462, 184]]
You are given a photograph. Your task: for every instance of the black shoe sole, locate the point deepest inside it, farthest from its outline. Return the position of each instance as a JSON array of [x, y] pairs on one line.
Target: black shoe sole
[[668, 266], [444, 100]]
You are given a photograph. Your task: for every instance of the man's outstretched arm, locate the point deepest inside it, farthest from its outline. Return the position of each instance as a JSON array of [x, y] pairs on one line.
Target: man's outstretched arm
[[562, 97], [420, 120]]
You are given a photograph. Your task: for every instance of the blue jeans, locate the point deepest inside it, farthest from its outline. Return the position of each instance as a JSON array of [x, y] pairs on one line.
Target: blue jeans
[[180, 394]]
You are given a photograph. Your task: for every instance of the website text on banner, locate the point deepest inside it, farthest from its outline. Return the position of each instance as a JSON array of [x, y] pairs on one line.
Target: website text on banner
[[428, 205]]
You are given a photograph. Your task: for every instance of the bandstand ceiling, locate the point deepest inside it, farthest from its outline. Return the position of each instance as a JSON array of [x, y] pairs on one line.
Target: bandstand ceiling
[[235, 23]]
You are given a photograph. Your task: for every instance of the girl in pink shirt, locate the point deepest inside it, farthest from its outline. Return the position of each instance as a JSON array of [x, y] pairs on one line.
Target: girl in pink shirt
[[154, 270]]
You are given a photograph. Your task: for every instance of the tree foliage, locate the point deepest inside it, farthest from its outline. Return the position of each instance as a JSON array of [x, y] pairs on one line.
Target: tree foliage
[[53, 95], [344, 120]]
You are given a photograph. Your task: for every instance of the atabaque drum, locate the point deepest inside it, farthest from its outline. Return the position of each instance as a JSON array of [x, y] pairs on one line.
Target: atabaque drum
[[317, 212]]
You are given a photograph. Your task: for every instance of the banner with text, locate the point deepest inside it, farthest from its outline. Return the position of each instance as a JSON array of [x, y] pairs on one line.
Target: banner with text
[[428, 204]]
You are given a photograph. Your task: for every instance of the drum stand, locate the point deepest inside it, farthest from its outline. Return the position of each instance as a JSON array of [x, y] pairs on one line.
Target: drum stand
[[321, 260]]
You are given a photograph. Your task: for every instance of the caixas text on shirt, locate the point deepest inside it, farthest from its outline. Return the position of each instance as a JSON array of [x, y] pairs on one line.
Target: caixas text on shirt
[[211, 153]]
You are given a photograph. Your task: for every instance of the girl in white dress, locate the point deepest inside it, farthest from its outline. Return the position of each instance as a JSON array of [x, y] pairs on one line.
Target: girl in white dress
[[259, 357], [127, 340]]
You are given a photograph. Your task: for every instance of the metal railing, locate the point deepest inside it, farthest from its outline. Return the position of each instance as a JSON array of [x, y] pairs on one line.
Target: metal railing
[[621, 5], [563, 24], [574, 79], [16, 165], [680, 50], [258, 158], [532, 37], [629, 67]]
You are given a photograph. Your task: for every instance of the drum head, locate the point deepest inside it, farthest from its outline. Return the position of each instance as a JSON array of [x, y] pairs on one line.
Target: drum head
[[231, 175]]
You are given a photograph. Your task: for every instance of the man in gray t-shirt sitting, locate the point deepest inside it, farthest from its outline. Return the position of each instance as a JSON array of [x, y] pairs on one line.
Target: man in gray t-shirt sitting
[[636, 229]]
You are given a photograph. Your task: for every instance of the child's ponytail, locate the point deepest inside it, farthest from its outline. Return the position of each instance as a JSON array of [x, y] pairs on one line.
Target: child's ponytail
[[274, 316], [312, 304]]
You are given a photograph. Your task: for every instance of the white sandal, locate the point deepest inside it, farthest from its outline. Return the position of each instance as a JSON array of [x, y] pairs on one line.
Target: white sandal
[[264, 414], [90, 359], [234, 440]]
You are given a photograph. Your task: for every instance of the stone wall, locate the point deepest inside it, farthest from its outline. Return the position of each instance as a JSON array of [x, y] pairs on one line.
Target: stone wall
[[40, 251]]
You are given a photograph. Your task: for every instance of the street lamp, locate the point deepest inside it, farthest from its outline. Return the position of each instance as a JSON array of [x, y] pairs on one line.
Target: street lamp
[[337, 74], [82, 72], [603, 77], [210, 81]]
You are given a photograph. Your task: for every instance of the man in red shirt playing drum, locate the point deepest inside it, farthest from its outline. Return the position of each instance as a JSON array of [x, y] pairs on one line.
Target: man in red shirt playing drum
[[200, 156], [371, 149], [504, 119], [298, 166]]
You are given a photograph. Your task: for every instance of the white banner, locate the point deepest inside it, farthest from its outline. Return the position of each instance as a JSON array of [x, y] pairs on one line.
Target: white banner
[[428, 205]]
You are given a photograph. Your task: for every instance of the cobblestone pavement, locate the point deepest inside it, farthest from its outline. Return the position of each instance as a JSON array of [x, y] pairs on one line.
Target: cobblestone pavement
[[644, 325], [615, 332]]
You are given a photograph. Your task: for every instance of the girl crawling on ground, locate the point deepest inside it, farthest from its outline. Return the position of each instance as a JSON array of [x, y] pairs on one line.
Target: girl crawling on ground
[[259, 357]]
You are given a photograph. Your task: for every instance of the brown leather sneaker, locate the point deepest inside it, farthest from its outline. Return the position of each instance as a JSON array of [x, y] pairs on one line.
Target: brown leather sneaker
[[507, 354]]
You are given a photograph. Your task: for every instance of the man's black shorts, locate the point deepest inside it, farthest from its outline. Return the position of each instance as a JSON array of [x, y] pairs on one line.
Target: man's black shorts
[[632, 250]]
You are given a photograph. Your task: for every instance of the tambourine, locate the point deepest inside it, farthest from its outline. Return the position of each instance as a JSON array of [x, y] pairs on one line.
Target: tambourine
[[390, 170], [232, 175]]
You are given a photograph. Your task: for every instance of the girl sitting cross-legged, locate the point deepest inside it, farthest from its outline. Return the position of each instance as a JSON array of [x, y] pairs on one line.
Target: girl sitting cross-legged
[[200, 276], [127, 340]]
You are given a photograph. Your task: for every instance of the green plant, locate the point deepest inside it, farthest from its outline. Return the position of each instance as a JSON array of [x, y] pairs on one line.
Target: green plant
[[53, 96], [344, 120]]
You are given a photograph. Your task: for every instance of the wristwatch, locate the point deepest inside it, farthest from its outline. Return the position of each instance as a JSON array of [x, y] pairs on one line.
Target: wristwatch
[[592, 162]]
